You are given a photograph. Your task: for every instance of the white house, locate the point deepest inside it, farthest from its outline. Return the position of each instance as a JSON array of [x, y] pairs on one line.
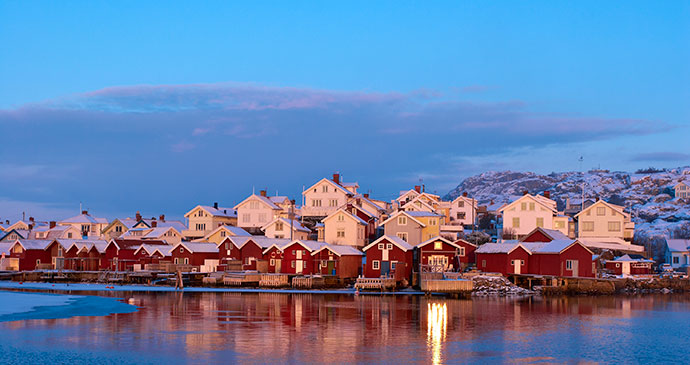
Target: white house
[[682, 190], [677, 253], [88, 225], [343, 228], [258, 210], [528, 212], [280, 228], [325, 197], [463, 210]]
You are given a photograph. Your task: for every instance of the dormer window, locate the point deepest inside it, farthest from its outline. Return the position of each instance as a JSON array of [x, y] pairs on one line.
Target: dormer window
[[402, 220]]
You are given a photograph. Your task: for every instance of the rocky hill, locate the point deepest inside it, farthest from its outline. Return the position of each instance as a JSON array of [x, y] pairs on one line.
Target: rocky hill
[[647, 194]]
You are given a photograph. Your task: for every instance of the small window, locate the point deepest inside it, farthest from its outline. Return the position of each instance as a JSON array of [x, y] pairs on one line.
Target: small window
[[601, 210], [522, 262], [393, 264], [569, 264], [38, 262], [375, 264], [512, 262], [389, 246], [438, 245], [402, 220], [186, 260], [381, 246], [292, 264], [181, 250], [462, 251]]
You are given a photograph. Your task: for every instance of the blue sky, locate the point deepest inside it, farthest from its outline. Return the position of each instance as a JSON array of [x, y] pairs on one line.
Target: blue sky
[[158, 106]]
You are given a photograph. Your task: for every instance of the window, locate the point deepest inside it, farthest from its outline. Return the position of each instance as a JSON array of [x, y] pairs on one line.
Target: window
[[393, 264], [262, 217], [588, 226], [253, 205], [601, 210], [375, 264], [340, 233], [461, 204], [522, 262], [389, 246], [201, 226], [324, 188], [438, 245], [432, 222], [568, 264], [402, 236], [531, 206], [523, 206], [279, 226], [333, 203], [186, 260], [381, 246], [69, 235], [540, 222], [177, 261], [292, 264], [676, 259], [461, 215], [402, 220], [462, 251], [516, 222], [223, 233], [181, 249], [614, 226], [316, 202], [341, 217], [118, 229], [38, 262], [559, 224], [512, 262], [483, 263]]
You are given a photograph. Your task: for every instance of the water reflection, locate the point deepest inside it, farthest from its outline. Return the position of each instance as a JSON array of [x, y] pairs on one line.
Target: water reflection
[[270, 327], [437, 318]]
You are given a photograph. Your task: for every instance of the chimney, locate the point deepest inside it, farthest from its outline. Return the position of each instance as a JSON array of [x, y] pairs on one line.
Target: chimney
[[52, 224], [84, 212], [359, 201], [492, 202], [525, 192], [547, 194], [418, 188], [154, 224], [262, 192], [597, 198], [366, 195], [138, 216], [31, 219], [464, 193], [215, 205], [161, 218], [7, 221], [31, 226], [336, 178]]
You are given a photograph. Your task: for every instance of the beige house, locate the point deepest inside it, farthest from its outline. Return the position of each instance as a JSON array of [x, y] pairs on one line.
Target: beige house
[[203, 219], [325, 197], [528, 212], [53, 231], [168, 234], [413, 227], [682, 190], [258, 210], [369, 206], [343, 228], [280, 228], [606, 221], [88, 225], [219, 234], [463, 210], [117, 228]]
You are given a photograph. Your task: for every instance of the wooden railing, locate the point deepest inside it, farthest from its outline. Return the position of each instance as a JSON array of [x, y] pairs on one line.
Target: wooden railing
[[375, 283], [274, 280]]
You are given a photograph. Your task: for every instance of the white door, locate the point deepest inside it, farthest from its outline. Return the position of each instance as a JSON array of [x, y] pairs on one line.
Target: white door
[[516, 266], [299, 267], [576, 267], [384, 255], [299, 254]]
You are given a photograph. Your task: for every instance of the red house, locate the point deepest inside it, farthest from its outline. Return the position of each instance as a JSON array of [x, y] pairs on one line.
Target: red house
[[438, 254], [342, 261], [147, 254], [630, 264], [83, 255], [466, 256], [31, 253], [274, 256], [297, 257], [387, 256], [544, 235], [203, 256], [119, 253], [368, 217], [249, 249], [504, 258]]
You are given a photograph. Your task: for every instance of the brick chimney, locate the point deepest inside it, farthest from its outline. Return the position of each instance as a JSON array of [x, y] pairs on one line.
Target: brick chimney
[[215, 205], [31, 219], [336, 178], [138, 216], [366, 195], [597, 198], [154, 224], [7, 221], [547, 194], [418, 188], [525, 192], [262, 192], [464, 193], [52, 224], [161, 217], [84, 212]]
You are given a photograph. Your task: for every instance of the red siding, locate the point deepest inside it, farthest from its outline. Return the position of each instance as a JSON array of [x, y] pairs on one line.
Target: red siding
[[469, 257], [194, 258], [449, 251], [277, 256], [501, 262], [346, 266], [290, 255], [537, 236], [249, 253], [404, 260]]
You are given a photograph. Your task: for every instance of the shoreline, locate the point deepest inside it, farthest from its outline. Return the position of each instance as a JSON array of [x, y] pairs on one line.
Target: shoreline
[[44, 305]]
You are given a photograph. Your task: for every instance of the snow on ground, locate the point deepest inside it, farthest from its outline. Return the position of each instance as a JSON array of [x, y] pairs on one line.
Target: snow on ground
[[13, 302], [16, 306]]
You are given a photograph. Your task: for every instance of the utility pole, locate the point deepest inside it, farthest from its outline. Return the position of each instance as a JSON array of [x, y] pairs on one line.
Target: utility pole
[[291, 216], [583, 185]]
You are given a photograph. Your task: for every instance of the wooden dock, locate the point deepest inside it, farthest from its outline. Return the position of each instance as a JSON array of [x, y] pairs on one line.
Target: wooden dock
[[379, 284]]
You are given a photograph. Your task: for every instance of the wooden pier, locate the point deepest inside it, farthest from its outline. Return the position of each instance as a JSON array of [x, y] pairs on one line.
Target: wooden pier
[[379, 284]]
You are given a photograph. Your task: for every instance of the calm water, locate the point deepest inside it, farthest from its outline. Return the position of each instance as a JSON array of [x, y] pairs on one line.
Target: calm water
[[268, 328]]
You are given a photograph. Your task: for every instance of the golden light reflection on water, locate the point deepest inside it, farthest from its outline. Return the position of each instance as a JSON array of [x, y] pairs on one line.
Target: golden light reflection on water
[[436, 324]]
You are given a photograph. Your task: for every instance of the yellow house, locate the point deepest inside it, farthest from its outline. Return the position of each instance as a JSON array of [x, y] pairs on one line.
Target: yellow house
[[605, 220], [343, 228], [682, 190], [203, 219], [219, 234], [117, 228], [413, 227]]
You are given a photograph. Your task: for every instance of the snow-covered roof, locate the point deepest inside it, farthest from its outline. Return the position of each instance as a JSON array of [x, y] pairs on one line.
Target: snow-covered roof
[[150, 249], [415, 213], [84, 218], [340, 250], [554, 234], [405, 213], [677, 245], [159, 231], [261, 198], [296, 225], [392, 239], [35, 244], [438, 238], [262, 241], [197, 247], [219, 212], [308, 244], [5, 247], [492, 247], [342, 210], [555, 246], [611, 244], [631, 258]]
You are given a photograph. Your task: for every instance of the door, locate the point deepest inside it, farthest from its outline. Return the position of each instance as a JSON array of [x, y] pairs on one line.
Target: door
[[385, 268], [516, 266], [278, 262], [576, 267], [299, 266], [330, 268]]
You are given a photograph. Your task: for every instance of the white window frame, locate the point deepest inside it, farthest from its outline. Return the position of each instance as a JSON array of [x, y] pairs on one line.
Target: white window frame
[[376, 265]]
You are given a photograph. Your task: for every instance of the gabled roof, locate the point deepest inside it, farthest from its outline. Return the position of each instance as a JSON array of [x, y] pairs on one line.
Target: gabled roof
[[492, 247], [262, 241], [536, 198], [392, 239], [617, 208], [311, 246], [129, 243], [348, 214], [465, 242], [677, 245], [236, 231], [196, 247], [84, 218], [369, 201], [680, 183], [34, 244], [553, 234], [332, 183], [159, 231], [340, 250], [5, 248], [296, 225], [20, 232], [151, 249], [465, 198], [410, 216], [632, 258], [82, 244], [260, 198], [610, 243], [438, 238], [220, 212]]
